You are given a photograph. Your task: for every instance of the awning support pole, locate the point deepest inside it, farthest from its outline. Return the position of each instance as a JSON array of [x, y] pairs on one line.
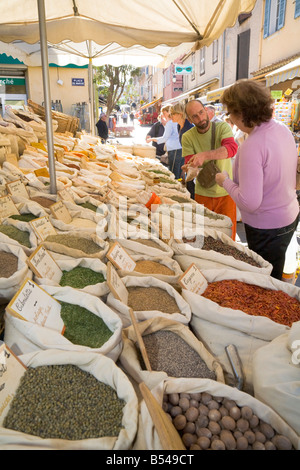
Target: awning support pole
[[47, 99], [91, 90]]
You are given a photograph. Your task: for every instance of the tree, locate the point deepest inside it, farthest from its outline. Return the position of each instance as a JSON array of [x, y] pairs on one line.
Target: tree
[[113, 82]]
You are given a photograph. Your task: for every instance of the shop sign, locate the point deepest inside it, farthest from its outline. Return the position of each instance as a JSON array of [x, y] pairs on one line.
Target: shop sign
[[12, 81], [183, 69], [276, 94], [77, 81]]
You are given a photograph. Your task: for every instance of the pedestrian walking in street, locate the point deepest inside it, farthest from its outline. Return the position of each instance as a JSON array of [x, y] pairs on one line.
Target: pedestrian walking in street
[[264, 179], [206, 145], [173, 146]]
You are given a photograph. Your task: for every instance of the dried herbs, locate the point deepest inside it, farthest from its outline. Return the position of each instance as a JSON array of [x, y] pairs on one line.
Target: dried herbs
[[23, 217], [84, 327], [86, 245], [214, 244], [254, 300], [88, 205], [8, 265], [21, 236], [64, 402], [151, 298], [80, 277], [43, 201]]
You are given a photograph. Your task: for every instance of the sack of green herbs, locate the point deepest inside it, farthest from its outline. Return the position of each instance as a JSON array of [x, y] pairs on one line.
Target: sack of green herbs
[[19, 234], [90, 325]]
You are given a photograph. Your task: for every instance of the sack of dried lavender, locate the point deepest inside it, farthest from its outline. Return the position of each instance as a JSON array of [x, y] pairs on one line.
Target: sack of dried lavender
[[99, 407], [90, 325], [173, 351]]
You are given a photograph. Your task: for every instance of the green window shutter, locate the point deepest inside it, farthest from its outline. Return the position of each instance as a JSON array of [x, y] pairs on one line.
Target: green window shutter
[[297, 8], [281, 14], [267, 18]]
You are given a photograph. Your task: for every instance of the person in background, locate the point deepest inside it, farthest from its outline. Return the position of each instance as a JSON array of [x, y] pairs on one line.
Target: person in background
[[211, 111], [102, 128], [157, 130], [178, 115], [173, 145], [196, 149], [131, 117], [264, 179]]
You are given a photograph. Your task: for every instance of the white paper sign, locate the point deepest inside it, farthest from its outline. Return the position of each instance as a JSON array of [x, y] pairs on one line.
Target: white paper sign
[[193, 280], [120, 258], [42, 227], [7, 207], [43, 265], [11, 371], [65, 195], [60, 212], [116, 284], [34, 304], [17, 188]]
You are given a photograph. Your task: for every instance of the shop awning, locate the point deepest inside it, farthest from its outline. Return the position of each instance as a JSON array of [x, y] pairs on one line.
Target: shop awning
[[188, 93], [147, 105], [215, 95], [287, 72]]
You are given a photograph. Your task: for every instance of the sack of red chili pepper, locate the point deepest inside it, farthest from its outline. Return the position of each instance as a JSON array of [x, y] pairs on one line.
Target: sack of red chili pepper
[[217, 247], [276, 369], [217, 325]]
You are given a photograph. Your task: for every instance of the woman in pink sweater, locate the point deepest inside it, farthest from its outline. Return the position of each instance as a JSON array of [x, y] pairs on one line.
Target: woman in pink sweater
[[264, 176]]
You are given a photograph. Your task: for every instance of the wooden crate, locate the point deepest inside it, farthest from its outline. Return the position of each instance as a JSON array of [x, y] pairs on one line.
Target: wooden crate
[[65, 122]]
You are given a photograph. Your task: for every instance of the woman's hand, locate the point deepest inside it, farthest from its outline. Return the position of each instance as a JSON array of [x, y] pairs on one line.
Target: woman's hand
[[221, 177]]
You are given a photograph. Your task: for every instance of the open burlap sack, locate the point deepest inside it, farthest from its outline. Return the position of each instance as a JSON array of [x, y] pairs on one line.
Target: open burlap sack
[[105, 370], [150, 439], [67, 264], [129, 356], [9, 286], [25, 227], [218, 326], [165, 261], [276, 376], [194, 249], [78, 253], [184, 312], [25, 336]]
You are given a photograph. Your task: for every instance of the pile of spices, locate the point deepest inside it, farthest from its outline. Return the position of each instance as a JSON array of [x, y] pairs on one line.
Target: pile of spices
[[151, 298], [254, 300], [168, 352], [214, 244], [152, 267], [43, 201], [166, 180], [64, 402], [8, 265], [83, 327], [80, 277], [21, 236], [86, 245], [88, 205], [23, 217]]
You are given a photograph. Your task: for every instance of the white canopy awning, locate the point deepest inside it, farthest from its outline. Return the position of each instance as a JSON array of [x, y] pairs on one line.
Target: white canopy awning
[[287, 72], [168, 22]]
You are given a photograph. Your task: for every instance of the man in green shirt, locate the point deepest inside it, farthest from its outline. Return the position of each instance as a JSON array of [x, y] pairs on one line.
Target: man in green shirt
[[197, 151]]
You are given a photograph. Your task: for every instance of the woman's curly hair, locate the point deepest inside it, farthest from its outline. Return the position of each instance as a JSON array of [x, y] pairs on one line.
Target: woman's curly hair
[[251, 100]]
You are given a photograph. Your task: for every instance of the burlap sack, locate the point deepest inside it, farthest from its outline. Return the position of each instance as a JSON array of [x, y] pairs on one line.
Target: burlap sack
[[105, 370], [129, 357], [24, 336], [9, 286]]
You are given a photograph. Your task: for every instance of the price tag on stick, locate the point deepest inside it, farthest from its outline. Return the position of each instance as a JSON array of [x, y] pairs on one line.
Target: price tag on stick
[[116, 284], [43, 264], [42, 227], [120, 258]]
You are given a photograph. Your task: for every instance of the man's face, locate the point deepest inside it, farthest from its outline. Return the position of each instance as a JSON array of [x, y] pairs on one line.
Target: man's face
[[198, 116]]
